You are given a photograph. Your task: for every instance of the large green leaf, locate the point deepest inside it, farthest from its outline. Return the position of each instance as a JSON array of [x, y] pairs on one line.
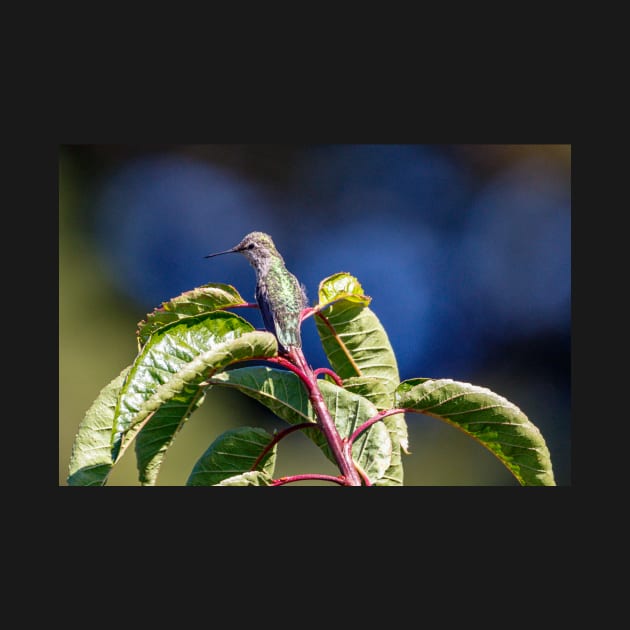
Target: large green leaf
[[377, 393], [166, 375], [91, 459], [494, 421], [157, 435], [372, 450], [203, 299], [371, 388], [354, 339], [152, 398], [279, 390], [233, 453], [284, 394], [360, 352], [171, 403]]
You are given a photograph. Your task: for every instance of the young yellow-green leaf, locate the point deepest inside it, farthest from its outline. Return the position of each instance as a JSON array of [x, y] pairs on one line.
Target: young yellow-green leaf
[[204, 299], [91, 459], [494, 421], [341, 286], [353, 338], [175, 360], [254, 478], [284, 394], [233, 453]]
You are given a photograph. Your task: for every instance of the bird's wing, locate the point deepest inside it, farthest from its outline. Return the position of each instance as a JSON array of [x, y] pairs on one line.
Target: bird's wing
[[284, 301]]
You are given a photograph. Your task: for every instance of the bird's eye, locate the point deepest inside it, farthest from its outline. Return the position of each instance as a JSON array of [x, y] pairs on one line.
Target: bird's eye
[[250, 246]]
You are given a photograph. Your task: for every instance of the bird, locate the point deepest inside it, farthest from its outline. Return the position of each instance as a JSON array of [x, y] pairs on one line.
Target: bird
[[279, 294]]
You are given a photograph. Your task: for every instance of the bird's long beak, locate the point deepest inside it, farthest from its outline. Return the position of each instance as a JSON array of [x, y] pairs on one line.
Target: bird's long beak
[[227, 251]]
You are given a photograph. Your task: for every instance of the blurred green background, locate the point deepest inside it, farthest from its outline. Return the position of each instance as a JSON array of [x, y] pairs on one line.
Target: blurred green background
[[101, 295]]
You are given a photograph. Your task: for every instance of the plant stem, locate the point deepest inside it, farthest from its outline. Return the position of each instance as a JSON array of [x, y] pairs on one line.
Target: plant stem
[[330, 373], [282, 480], [379, 416], [282, 434], [341, 454]]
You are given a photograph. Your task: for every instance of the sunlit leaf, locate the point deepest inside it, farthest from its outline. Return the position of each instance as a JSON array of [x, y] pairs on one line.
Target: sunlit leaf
[[203, 299], [494, 421], [371, 388], [172, 403], [360, 352], [353, 338], [233, 453], [372, 450], [91, 459], [284, 394], [169, 370], [377, 393], [341, 286], [161, 428]]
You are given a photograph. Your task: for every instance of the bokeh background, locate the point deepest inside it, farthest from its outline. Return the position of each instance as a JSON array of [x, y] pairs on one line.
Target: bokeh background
[[464, 249]]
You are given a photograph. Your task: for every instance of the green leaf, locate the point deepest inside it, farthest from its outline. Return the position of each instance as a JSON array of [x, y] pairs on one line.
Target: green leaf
[[371, 388], [255, 478], [161, 428], [394, 474], [341, 286], [176, 360], [233, 453], [377, 393], [372, 450], [353, 338], [279, 390], [360, 352], [91, 458], [494, 421], [284, 394], [203, 299]]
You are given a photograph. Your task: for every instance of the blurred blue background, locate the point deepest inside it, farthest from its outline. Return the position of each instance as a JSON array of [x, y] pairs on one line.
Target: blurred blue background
[[464, 249]]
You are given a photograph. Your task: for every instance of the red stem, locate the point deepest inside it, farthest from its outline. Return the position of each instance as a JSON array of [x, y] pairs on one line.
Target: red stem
[[337, 445], [330, 373], [366, 479], [243, 305], [282, 480], [282, 434], [372, 420]]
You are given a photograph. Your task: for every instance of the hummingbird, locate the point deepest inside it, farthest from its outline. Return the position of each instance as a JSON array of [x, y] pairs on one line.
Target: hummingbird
[[279, 294]]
